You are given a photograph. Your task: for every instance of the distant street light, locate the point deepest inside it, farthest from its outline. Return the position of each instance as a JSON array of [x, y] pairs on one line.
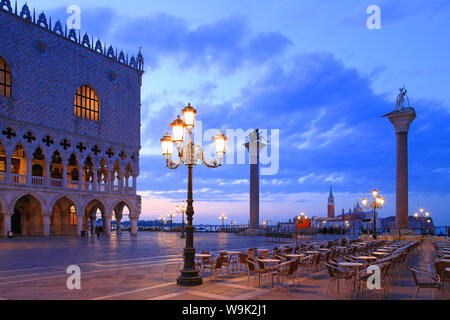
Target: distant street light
[[223, 218], [422, 216], [161, 219], [171, 215], [377, 203], [181, 208]]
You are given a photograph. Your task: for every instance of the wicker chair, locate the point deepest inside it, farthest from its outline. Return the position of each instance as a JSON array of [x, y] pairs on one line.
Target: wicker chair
[[434, 281], [241, 263], [254, 269], [336, 275], [440, 267], [217, 265], [287, 270]]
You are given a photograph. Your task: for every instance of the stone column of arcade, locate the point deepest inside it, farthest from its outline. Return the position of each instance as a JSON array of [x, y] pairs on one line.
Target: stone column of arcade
[[134, 227], [79, 223], [107, 224], [6, 223], [401, 119], [92, 218], [46, 232]]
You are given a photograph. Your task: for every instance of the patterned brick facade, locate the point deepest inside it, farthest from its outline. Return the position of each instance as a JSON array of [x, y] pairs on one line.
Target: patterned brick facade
[[47, 66]]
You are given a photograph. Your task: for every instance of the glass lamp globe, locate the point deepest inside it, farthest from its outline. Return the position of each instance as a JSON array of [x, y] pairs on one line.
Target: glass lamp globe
[[178, 131], [167, 146], [220, 141], [189, 116]]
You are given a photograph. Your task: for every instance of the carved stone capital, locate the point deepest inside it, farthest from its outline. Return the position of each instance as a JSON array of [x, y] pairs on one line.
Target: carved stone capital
[[402, 119]]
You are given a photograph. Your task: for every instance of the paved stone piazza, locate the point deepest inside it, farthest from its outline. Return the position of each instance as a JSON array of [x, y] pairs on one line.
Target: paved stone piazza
[[146, 267]]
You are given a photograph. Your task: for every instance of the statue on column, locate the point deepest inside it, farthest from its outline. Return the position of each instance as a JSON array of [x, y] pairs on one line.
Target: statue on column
[[400, 101]]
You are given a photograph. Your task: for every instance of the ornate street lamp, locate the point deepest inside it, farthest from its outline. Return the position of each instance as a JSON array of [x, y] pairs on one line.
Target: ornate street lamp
[[422, 216], [161, 219], [170, 217], [189, 154], [377, 203], [181, 208], [223, 218]]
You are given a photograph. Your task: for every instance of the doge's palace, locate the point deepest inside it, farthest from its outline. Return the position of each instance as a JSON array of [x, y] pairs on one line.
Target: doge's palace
[[69, 128]]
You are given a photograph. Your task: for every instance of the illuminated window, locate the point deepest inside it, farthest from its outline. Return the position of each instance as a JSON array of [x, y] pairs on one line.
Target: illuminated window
[[5, 79], [18, 152], [87, 104], [72, 216]]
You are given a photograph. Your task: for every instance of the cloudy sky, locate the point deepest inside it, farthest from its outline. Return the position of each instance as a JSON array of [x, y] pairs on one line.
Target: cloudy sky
[[310, 72]]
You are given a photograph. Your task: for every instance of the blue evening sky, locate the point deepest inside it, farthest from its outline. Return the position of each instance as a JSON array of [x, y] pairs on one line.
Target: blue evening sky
[[312, 70]]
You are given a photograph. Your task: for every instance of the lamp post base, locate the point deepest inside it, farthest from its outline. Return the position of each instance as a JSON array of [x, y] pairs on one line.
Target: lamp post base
[[189, 279]]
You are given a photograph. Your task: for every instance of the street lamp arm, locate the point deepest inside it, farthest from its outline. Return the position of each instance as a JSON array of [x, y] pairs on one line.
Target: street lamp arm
[[199, 155], [172, 165]]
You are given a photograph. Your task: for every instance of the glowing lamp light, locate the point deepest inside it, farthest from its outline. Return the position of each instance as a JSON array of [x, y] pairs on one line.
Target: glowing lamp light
[[375, 193], [416, 214], [167, 146], [178, 131], [427, 214], [189, 116], [364, 202], [380, 202], [220, 141]]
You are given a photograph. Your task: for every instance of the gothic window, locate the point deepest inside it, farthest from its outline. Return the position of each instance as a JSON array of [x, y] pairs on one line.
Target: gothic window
[[87, 104], [74, 174], [72, 216], [5, 79], [18, 152], [37, 170]]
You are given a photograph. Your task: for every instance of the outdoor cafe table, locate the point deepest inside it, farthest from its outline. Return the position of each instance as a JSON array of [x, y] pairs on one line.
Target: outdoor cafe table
[[366, 258], [295, 255], [353, 265], [379, 253], [202, 255], [384, 250]]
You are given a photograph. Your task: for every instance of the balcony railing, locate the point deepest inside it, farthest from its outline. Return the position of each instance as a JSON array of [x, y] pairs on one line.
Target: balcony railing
[[56, 183], [128, 190], [37, 181], [20, 179], [71, 184], [88, 186]]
